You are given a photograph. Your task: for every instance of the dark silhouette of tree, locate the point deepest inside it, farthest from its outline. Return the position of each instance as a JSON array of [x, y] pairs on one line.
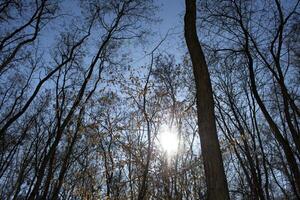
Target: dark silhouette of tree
[[213, 165], [85, 90]]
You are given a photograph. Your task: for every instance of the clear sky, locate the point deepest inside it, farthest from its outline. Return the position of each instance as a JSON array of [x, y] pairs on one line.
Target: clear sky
[[170, 13]]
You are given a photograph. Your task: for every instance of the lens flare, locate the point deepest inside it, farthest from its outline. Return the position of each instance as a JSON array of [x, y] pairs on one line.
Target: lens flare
[[168, 139]]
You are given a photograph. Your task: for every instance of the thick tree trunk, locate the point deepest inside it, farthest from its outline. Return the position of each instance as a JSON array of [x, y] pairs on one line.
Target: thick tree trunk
[[217, 188]]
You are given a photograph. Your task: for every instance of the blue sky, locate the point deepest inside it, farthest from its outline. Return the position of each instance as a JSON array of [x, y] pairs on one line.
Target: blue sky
[[170, 12]]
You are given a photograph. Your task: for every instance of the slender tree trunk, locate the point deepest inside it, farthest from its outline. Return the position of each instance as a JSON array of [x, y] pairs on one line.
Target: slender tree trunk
[[214, 171]]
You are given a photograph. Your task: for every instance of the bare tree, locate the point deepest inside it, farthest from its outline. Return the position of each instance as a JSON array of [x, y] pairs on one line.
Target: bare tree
[[214, 171]]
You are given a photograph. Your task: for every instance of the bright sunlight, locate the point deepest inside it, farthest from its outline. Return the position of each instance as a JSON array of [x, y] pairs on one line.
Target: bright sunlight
[[168, 139]]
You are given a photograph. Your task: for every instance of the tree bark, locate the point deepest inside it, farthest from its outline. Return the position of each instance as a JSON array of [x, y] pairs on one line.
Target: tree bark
[[214, 170]]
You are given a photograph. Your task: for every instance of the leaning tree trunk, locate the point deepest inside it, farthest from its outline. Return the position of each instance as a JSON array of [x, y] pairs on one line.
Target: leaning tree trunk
[[217, 188]]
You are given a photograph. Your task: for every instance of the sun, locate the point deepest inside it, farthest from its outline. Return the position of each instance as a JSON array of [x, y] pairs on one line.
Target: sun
[[168, 139]]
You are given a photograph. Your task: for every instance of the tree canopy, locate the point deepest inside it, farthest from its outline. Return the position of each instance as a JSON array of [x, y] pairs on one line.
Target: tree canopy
[[97, 102]]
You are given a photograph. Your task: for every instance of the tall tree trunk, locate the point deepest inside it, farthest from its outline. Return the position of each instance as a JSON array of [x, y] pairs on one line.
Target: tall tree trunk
[[214, 171]]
